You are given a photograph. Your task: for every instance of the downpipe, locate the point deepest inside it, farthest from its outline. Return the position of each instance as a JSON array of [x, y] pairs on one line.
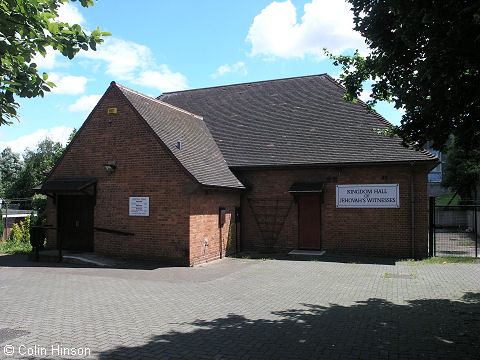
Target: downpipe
[[412, 209]]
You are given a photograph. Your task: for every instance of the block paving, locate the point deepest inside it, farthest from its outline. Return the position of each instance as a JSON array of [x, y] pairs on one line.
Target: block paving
[[240, 309]]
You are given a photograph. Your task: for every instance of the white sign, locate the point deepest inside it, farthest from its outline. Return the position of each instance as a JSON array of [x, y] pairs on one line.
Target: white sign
[[368, 196], [139, 206]]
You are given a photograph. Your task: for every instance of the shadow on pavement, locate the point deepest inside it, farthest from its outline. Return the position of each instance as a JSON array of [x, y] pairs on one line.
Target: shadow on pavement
[[327, 257], [22, 260], [49, 259], [373, 329]]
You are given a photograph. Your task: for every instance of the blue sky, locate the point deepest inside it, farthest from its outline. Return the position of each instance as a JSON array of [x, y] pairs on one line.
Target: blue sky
[[162, 45]]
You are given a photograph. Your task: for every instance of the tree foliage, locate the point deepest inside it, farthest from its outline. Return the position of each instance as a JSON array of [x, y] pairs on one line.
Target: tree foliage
[[23, 176], [27, 28], [10, 167], [35, 163], [425, 58], [462, 170]]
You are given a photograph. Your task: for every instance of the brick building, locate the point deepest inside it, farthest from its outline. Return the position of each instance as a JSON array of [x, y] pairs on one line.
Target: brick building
[[272, 165]]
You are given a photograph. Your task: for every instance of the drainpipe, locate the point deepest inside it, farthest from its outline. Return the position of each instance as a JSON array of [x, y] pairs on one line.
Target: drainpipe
[[221, 222], [412, 208]]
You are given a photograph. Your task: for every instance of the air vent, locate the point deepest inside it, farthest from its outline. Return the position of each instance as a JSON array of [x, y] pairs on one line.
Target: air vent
[[112, 111]]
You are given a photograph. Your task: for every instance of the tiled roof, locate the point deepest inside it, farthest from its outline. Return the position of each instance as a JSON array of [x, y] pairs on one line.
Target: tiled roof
[[187, 138], [295, 121]]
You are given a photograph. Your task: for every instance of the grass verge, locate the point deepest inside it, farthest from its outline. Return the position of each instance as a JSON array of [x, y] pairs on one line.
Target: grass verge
[[442, 260], [443, 200]]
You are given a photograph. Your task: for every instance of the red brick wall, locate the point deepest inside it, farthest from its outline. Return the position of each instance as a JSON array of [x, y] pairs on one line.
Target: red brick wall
[[204, 224], [144, 168], [179, 223], [383, 232]]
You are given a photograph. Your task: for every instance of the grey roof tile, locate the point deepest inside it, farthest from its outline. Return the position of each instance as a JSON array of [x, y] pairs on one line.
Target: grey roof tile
[[198, 152], [294, 121]]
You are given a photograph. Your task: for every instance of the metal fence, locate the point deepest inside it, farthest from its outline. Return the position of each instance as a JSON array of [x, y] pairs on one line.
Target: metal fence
[[454, 230]]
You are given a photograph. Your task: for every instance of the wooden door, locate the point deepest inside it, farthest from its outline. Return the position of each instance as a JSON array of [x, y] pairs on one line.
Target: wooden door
[[309, 221], [75, 222]]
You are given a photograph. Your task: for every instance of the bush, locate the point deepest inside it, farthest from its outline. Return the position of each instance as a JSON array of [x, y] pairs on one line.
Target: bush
[[18, 240], [39, 205], [15, 235], [25, 227]]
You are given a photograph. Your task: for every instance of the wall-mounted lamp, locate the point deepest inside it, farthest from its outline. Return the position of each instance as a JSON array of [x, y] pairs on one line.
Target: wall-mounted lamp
[[110, 166]]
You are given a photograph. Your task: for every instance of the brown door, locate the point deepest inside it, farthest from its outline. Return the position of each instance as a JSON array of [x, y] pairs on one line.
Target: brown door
[[309, 221], [75, 222]]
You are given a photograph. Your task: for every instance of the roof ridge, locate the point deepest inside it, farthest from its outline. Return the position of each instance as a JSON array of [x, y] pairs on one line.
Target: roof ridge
[[114, 83], [245, 83]]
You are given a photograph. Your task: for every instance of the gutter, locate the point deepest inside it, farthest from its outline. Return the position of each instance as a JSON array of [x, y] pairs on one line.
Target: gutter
[[432, 162]]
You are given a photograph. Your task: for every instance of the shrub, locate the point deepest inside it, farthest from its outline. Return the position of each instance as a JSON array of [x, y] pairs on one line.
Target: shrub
[[39, 205], [20, 233], [18, 240], [25, 227], [15, 235]]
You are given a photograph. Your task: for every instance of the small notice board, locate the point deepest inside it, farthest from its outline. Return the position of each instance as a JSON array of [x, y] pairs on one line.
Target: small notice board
[[139, 206]]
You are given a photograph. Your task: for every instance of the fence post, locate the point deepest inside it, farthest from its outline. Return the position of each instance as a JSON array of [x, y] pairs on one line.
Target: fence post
[[431, 230], [476, 229]]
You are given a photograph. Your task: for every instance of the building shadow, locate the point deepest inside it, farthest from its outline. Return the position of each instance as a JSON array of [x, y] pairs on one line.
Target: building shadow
[[327, 257], [27, 260], [373, 329]]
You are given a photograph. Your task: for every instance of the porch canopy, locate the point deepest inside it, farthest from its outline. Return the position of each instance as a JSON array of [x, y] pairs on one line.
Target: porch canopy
[[71, 186]]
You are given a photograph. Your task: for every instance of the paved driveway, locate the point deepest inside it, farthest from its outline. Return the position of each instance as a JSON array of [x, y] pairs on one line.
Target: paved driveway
[[241, 309]]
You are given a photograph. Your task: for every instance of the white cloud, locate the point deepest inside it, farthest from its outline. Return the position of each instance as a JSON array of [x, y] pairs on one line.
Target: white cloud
[[85, 104], [276, 31], [163, 79], [238, 67], [69, 13], [59, 133], [129, 61], [47, 62], [68, 85], [365, 95], [123, 58]]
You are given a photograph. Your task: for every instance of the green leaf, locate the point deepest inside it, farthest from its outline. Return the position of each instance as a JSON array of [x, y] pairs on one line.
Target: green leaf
[[33, 28]]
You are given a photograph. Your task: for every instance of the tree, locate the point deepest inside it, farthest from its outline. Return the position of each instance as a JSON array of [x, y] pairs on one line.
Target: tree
[[28, 27], [425, 58], [24, 176], [462, 170], [10, 168], [36, 162], [71, 136]]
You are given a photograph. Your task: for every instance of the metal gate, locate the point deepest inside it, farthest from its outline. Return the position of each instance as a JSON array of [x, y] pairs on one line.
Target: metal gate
[[454, 230]]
